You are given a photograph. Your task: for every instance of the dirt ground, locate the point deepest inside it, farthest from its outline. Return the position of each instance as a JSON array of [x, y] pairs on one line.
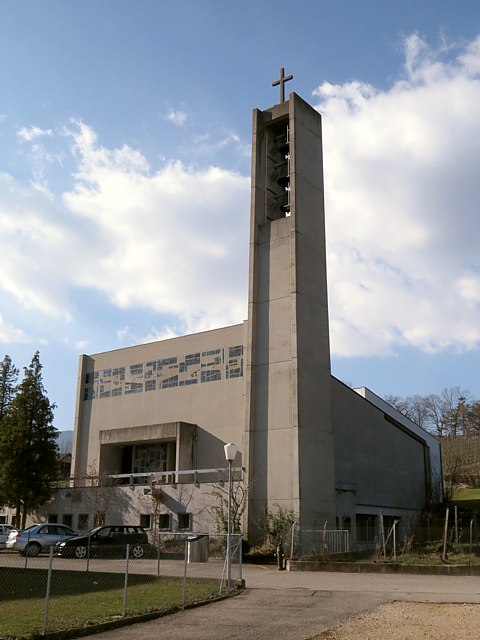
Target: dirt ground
[[411, 621]]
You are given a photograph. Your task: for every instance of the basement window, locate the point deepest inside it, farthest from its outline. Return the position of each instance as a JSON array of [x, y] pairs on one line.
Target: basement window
[[366, 527], [164, 522], [184, 521], [145, 520]]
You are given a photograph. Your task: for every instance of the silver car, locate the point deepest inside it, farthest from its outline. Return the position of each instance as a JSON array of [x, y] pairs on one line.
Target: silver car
[[5, 530], [38, 538]]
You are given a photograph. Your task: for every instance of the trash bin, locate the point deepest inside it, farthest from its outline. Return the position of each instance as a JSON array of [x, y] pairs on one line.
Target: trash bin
[[197, 548]]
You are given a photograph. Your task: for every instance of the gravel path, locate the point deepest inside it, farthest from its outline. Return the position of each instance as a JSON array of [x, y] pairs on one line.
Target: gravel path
[[411, 621]]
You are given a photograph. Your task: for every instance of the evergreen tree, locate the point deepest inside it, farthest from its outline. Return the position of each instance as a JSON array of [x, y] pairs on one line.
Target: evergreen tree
[[8, 384], [28, 449]]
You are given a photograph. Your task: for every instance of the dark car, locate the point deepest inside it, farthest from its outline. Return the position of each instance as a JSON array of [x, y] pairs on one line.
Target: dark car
[[105, 541]]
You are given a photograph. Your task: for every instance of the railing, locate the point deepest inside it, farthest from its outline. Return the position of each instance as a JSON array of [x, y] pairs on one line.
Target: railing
[[317, 543], [173, 477]]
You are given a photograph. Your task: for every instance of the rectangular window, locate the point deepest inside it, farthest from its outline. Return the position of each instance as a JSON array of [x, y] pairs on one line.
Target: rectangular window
[[67, 519], [164, 521], [133, 387], [211, 375], [136, 370], [52, 517], [184, 521], [235, 372], [117, 391], [3, 519], [150, 385], [344, 523], [235, 351], [213, 352], [150, 368], [149, 458], [145, 519], [170, 382], [366, 526], [82, 522], [99, 518]]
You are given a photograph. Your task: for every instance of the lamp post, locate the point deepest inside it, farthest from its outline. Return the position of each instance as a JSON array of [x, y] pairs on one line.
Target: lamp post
[[230, 455]]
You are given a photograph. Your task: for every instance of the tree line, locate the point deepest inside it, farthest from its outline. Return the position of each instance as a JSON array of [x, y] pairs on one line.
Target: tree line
[[453, 417], [28, 439], [453, 413]]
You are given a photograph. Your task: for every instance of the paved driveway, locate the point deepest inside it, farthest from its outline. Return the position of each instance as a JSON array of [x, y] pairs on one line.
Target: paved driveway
[[278, 605]]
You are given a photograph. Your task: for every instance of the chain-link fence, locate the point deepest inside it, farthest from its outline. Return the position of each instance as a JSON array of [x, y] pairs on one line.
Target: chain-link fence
[[109, 582]]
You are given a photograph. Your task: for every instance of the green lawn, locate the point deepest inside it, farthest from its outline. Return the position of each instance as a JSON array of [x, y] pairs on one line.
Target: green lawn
[[83, 599], [466, 495]]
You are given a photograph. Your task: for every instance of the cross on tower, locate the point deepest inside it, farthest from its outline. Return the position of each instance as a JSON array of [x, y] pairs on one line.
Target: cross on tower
[[281, 81]]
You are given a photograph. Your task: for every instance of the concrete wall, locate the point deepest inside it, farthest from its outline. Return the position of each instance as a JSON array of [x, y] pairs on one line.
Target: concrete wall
[[216, 407], [288, 421], [380, 464], [125, 505]]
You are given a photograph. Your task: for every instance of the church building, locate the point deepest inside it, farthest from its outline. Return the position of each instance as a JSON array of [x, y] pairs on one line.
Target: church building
[[154, 418]]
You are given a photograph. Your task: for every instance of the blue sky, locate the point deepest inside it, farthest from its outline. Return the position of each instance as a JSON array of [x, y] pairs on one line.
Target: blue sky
[[125, 163]]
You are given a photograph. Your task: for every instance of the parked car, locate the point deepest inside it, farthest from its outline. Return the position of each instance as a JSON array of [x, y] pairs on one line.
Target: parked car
[[5, 530], [37, 538], [103, 540]]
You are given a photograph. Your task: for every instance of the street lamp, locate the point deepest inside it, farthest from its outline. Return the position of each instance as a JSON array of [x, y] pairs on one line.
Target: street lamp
[[230, 455]]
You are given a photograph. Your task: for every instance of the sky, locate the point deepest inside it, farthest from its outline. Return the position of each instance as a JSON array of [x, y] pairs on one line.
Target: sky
[[125, 131]]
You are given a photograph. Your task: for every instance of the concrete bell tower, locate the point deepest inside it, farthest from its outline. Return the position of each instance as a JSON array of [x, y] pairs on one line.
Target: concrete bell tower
[[289, 440]]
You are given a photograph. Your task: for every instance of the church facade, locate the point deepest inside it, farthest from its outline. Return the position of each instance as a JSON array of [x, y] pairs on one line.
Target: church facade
[[153, 419]]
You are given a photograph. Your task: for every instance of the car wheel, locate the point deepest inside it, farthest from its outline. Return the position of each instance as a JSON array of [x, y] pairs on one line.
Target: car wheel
[[32, 549], [81, 552], [137, 551]]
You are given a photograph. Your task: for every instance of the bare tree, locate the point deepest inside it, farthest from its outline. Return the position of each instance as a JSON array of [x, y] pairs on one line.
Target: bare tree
[[220, 508]]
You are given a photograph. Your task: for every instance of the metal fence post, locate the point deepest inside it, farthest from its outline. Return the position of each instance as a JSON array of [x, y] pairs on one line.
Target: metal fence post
[[158, 556], [240, 558], [184, 584], [26, 550], [47, 594], [125, 587], [88, 553]]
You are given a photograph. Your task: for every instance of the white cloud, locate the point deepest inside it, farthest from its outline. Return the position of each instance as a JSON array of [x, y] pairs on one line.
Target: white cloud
[[11, 335], [176, 116], [31, 133], [174, 241], [402, 197], [205, 144], [35, 247]]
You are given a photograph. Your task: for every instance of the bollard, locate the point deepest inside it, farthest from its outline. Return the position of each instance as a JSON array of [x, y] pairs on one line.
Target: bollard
[[280, 558]]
